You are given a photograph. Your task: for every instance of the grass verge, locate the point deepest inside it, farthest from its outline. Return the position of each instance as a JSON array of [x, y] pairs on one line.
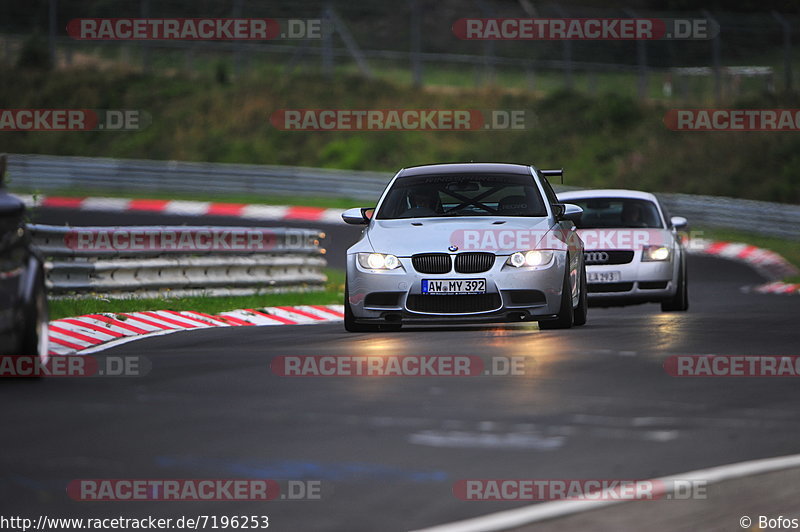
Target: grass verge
[[789, 249], [333, 294]]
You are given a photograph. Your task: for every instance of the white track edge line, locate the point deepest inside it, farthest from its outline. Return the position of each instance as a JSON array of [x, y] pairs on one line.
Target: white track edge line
[[510, 519]]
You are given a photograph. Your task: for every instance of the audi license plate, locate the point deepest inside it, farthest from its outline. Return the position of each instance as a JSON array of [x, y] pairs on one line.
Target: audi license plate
[[603, 277], [453, 286]]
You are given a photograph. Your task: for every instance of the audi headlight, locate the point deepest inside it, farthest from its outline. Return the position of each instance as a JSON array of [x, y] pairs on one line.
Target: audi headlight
[[378, 261], [655, 253], [530, 258]]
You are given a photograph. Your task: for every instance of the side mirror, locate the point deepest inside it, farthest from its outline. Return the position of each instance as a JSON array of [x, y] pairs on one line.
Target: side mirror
[[357, 216], [572, 213], [679, 223]]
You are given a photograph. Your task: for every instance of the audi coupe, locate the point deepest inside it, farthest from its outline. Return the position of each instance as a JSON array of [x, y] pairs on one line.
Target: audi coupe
[[463, 243], [632, 249]]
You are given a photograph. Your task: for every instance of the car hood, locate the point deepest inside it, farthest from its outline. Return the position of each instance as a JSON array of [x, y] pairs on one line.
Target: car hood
[[435, 235]]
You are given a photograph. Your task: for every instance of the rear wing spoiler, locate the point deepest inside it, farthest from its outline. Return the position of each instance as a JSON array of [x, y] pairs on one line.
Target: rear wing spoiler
[[554, 173]]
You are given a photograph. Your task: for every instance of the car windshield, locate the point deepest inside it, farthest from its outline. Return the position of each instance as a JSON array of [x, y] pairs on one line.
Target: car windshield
[[462, 195], [617, 212]]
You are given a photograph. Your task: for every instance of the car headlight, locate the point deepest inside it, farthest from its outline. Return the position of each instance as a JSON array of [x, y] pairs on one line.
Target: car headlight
[[530, 258], [378, 261], [655, 253]]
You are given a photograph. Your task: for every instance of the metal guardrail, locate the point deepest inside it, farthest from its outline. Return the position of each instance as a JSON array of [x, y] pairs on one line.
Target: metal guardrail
[[46, 172], [283, 260], [762, 217], [55, 172]]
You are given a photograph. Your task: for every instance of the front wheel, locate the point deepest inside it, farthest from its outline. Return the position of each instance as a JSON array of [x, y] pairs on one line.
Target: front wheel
[[680, 301], [35, 335], [564, 319], [582, 310]]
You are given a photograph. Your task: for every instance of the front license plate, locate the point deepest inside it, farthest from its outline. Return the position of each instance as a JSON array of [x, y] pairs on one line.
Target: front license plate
[[453, 286], [603, 277]]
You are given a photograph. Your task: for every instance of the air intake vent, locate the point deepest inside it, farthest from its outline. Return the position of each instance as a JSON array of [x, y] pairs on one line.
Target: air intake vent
[[474, 262], [453, 304], [432, 263]]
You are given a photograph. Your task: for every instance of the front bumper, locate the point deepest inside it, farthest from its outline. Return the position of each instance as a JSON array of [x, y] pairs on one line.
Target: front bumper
[[639, 281], [512, 294]]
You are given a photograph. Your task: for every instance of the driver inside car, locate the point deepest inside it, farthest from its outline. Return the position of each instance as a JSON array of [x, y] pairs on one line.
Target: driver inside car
[[423, 203]]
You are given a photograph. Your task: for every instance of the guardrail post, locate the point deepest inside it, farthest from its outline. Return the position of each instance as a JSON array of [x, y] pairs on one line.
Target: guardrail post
[[566, 53], [641, 61], [787, 49], [144, 12], [326, 46], [716, 58], [416, 43], [53, 23]]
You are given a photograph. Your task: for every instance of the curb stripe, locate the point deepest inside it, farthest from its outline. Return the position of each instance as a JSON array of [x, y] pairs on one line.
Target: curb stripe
[[75, 335], [254, 211], [235, 320], [73, 203], [156, 316], [156, 326], [87, 334], [329, 310], [273, 317], [97, 328], [301, 312], [70, 345], [118, 323]]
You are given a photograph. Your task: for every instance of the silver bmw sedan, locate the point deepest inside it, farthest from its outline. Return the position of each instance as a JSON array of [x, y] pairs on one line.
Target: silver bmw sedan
[[462, 243]]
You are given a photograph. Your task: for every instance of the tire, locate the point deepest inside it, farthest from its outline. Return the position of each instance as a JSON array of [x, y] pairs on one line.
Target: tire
[[35, 328], [680, 301], [565, 313], [582, 310]]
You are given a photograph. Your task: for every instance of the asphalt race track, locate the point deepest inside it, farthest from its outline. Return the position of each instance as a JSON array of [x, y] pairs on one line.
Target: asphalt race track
[[595, 402]]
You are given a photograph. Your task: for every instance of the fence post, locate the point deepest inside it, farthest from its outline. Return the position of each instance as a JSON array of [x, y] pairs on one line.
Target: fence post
[[327, 44], [144, 12], [416, 43], [566, 53], [237, 47], [53, 22], [641, 61], [787, 49], [349, 41], [715, 53]]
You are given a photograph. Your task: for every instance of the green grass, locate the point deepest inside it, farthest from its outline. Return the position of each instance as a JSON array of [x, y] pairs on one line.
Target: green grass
[[609, 140], [333, 294], [789, 249], [306, 201]]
